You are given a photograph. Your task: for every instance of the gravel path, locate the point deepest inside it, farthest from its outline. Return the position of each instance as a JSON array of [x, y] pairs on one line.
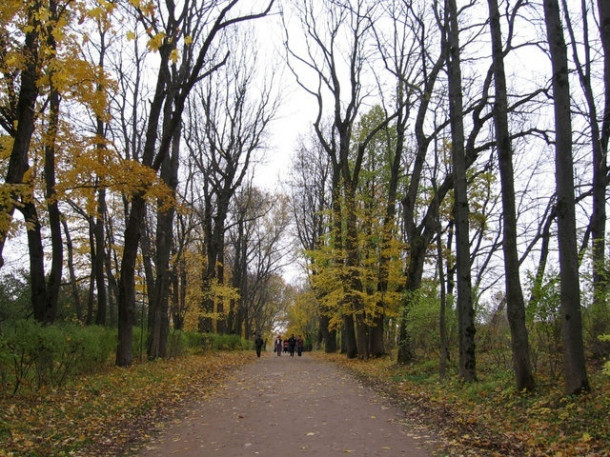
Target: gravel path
[[291, 406]]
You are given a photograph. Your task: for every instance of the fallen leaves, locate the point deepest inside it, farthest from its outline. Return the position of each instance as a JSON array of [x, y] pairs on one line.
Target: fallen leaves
[[490, 418], [112, 413]]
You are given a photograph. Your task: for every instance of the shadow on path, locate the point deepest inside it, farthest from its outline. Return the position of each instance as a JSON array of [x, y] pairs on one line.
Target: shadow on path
[[298, 406]]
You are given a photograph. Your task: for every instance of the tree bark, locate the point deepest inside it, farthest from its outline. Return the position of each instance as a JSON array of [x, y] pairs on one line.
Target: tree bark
[[54, 279], [601, 136], [78, 307], [466, 327], [26, 113], [514, 293], [575, 374], [159, 309]]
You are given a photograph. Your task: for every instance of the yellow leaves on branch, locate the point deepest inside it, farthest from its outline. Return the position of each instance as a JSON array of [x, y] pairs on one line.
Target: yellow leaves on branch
[[156, 41], [174, 56], [81, 82], [145, 7]]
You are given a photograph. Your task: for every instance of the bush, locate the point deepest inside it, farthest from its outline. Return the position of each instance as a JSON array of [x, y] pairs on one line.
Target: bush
[[217, 342], [36, 355]]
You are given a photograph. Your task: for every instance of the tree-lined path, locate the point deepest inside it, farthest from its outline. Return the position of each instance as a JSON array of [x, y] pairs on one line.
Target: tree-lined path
[[291, 406]]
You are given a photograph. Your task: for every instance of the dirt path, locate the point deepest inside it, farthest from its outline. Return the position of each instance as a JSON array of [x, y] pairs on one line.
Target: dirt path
[[297, 406]]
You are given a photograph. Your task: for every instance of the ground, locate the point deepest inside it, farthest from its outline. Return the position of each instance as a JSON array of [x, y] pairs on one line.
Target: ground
[[283, 405]]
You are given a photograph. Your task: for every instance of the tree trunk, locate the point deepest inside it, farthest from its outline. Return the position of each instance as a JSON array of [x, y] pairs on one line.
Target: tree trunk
[[329, 337], [26, 109], [54, 280], [99, 260], [353, 284], [127, 292], [442, 315], [78, 307], [514, 293], [575, 374], [36, 254], [466, 325], [159, 309], [600, 309]]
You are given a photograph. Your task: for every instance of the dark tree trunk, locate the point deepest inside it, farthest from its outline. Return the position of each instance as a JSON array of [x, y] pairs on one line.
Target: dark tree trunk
[[575, 374], [99, 228], [329, 337], [37, 276], [99, 259], [466, 325], [26, 109], [159, 327], [127, 293], [601, 311], [514, 294], [78, 306], [442, 315], [54, 280]]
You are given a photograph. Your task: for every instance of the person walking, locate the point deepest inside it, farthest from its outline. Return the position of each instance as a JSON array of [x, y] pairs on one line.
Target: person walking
[[299, 346], [292, 342], [258, 344], [278, 345]]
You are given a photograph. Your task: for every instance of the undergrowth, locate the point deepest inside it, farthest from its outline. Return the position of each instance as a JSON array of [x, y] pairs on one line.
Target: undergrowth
[[491, 418], [108, 413]]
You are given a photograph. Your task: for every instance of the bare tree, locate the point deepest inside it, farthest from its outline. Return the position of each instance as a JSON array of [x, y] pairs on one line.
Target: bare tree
[[575, 374], [208, 24], [599, 131], [224, 139], [456, 111], [514, 294]]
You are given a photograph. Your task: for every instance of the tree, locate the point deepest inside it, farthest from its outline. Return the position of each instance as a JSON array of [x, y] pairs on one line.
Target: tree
[[456, 111], [575, 374], [20, 109], [514, 294], [179, 25], [226, 137], [337, 65], [599, 132], [310, 202], [260, 251]]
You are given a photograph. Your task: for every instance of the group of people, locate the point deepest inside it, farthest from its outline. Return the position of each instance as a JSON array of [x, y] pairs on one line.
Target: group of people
[[288, 345]]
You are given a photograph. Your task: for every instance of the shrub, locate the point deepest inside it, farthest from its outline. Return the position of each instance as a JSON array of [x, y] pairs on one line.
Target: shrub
[[36, 355], [217, 342]]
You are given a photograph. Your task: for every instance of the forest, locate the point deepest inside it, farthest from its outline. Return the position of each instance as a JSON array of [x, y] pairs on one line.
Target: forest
[[445, 204]]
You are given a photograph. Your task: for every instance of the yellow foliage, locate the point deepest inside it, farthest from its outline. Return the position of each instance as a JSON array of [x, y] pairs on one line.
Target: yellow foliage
[[156, 42], [174, 56], [8, 10]]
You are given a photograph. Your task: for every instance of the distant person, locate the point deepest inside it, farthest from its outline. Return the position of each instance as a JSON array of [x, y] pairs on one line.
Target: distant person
[[258, 343], [285, 345], [292, 342], [277, 346], [300, 346]]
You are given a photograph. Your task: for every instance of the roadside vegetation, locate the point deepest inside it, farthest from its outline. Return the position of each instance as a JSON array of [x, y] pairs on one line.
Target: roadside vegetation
[[113, 411], [63, 396], [489, 417]]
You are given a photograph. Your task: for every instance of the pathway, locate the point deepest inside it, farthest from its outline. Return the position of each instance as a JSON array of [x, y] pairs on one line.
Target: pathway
[[291, 406]]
